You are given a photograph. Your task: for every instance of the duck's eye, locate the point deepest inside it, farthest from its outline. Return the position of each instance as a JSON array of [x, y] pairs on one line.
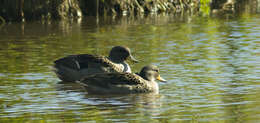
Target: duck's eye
[[156, 70]]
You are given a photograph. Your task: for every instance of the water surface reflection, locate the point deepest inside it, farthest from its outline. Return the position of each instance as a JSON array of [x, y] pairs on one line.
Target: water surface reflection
[[211, 64]]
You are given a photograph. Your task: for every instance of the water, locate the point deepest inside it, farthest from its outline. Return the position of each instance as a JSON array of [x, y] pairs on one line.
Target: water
[[212, 66]]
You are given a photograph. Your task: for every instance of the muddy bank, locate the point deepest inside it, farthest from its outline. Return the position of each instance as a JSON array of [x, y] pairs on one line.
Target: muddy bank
[[221, 7], [23, 10]]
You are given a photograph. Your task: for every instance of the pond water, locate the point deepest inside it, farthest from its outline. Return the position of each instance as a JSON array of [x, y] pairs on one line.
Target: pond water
[[212, 66]]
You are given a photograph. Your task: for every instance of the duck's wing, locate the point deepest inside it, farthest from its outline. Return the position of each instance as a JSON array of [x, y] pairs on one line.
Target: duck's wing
[[105, 80], [83, 61]]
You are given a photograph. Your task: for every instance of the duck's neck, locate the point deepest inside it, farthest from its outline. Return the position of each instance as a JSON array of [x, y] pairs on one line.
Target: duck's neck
[[155, 87], [126, 67], [121, 63]]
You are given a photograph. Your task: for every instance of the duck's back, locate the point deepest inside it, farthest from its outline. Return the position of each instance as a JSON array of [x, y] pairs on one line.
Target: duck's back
[[118, 83], [74, 67]]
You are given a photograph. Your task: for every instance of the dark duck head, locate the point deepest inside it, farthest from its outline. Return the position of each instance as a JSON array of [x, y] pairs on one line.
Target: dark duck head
[[119, 54]]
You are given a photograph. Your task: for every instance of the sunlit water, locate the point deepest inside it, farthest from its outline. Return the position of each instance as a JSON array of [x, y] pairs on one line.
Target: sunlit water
[[212, 66]]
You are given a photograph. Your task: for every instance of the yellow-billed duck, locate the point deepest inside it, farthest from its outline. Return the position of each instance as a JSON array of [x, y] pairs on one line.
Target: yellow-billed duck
[[124, 83]]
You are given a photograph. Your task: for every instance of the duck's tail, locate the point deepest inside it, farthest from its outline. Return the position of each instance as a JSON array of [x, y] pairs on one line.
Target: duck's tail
[[65, 74]]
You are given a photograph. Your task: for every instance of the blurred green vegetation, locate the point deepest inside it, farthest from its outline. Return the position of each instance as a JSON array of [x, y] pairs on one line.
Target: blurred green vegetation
[[205, 7]]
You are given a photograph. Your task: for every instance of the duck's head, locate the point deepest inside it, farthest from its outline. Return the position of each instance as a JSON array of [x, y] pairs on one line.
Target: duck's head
[[120, 54], [151, 73]]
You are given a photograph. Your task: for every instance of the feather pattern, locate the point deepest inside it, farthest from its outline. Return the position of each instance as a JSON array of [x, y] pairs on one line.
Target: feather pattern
[[122, 82], [74, 67]]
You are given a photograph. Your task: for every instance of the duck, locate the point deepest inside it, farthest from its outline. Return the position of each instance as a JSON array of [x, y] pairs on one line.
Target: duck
[[73, 67], [123, 83]]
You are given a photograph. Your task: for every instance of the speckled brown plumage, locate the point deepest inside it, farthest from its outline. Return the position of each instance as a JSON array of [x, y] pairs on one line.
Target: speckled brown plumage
[[123, 82]]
